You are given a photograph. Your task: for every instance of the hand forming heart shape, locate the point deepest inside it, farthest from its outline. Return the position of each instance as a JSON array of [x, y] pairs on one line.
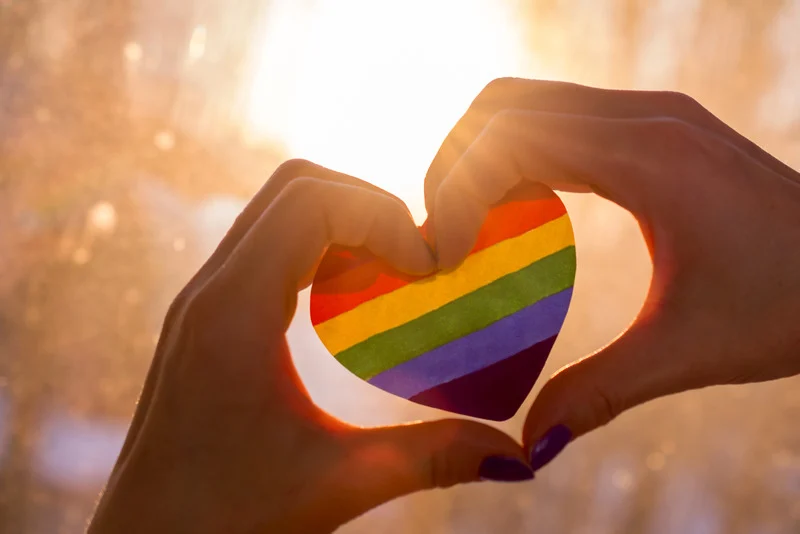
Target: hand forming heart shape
[[472, 340]]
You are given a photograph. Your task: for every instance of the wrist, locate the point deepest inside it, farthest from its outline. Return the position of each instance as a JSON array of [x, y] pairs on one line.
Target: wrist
[[149, 492], [155, 497]]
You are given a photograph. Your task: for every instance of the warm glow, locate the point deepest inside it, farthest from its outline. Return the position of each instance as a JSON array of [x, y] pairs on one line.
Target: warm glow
[[133, 52], [103, 217], [372, 88], [197, 44]]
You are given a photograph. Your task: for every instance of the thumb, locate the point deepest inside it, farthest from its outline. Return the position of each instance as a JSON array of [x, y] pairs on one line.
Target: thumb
[[398, 460], [642, 364]]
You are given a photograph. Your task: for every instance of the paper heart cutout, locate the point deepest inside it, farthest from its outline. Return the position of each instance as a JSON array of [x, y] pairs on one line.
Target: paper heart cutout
[[471, 341]]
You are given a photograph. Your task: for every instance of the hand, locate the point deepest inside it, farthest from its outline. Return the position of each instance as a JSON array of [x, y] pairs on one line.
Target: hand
[[720, 216], [225, 437]]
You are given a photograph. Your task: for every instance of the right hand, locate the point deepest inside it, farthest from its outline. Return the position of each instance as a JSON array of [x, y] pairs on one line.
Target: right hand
[[720, 216]]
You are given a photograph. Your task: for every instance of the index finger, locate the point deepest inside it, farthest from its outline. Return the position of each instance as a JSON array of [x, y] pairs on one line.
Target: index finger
[[574, 99], [287, 242], [283, 176], [628, 160]]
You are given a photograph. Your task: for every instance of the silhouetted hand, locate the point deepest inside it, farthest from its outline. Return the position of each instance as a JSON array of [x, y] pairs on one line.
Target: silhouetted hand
[[225, 437], [720, 216]]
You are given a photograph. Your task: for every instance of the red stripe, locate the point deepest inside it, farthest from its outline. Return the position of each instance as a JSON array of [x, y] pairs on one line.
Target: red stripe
[[334, 294], [339, 259], [514, 219]]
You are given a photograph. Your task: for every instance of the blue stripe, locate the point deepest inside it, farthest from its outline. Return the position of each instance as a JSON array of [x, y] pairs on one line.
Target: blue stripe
[[478, 350]]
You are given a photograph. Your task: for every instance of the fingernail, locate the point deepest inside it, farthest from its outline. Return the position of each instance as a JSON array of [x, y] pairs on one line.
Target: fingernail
[[549, 446], [504, 469]]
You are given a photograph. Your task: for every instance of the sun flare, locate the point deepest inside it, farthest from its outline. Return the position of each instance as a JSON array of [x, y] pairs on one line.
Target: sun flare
[[372, 88]]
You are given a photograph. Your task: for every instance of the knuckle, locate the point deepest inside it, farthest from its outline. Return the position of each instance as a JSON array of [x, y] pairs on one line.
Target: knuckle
[[379, 216], [604, 407], [441, 472], [495, 133], [210, 325], [290, 171], [496, 93], [200, 310], [721, 155], [213, 317], [442, 468], [177, 306], [292, 168], [678, 133], [174, 317], [671, 136], [390, 207], [291, 178], [551, 391], [498, 87], [402, 210], [500, 120], [690, 149], [501, 89], [671, 127], [591, 402], [301, 190], [680, 101]]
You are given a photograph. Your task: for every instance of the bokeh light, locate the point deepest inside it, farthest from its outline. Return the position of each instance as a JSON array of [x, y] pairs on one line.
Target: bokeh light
[[133, 132]]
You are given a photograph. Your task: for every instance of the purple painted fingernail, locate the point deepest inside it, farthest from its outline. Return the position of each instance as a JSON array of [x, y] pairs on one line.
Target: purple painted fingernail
[[504, 469], [549, 446]]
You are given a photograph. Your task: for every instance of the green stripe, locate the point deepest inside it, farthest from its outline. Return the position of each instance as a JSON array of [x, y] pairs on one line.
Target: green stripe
[[467, 314]]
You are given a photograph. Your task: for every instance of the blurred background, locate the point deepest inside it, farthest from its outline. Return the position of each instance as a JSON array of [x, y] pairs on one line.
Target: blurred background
[[133, 131]]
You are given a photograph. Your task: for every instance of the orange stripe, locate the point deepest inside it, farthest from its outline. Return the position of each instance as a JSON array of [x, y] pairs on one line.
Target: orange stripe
[[338, 294]]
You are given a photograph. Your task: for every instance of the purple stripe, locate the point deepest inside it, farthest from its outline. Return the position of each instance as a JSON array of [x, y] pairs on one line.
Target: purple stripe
[[480, 349], [495, 392]]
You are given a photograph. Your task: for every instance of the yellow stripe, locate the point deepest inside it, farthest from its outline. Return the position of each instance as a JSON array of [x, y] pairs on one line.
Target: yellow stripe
[[414, 300]]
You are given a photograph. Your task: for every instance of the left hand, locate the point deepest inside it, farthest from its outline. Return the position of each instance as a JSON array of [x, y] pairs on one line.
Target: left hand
[[225, 438]]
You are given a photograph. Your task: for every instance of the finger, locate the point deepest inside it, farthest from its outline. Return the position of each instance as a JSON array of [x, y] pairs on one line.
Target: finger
[[574, 99], [308, 216], [280, 179], [394, 461], [639, 366], [617, 157], [284, 175]]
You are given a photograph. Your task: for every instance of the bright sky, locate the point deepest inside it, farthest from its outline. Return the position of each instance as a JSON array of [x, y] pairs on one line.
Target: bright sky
[[372, 88]]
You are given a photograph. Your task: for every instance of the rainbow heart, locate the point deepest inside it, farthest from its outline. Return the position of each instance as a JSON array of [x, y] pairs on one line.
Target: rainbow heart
[[472, 340]]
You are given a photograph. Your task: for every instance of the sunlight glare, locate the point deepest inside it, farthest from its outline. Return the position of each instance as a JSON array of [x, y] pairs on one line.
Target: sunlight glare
[[372, 88]]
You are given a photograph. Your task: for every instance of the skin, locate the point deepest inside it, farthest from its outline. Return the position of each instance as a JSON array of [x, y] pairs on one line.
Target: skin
[[720, 216], [225, 437]]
